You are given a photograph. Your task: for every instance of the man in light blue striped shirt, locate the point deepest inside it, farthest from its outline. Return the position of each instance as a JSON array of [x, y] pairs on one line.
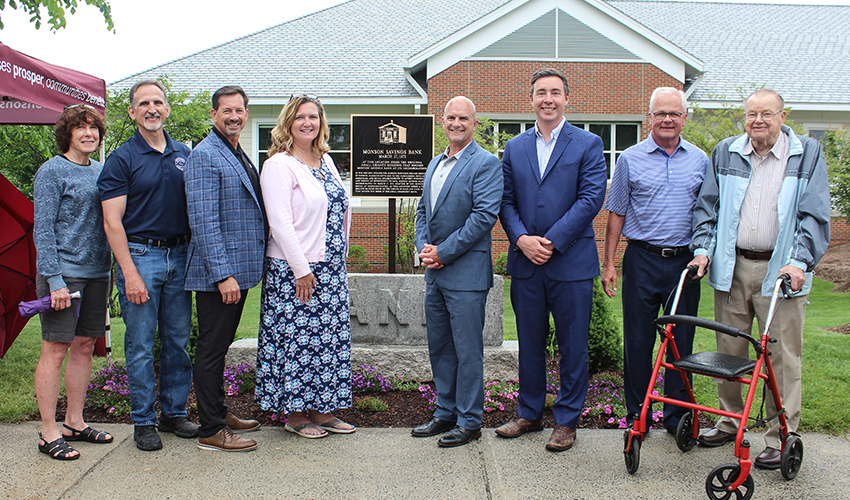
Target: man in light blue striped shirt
[[650, 201]]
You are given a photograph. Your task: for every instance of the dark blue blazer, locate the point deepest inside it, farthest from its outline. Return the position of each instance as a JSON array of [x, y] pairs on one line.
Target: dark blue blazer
[[560, 206], [463, 217]]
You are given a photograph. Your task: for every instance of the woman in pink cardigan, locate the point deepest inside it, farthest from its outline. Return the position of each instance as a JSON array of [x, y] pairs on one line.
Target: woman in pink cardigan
[[304, 352]]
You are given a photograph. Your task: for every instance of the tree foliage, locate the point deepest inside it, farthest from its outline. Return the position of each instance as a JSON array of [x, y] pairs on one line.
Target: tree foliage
[[837, 151], [189, 121], [22, 150], [56, 11]]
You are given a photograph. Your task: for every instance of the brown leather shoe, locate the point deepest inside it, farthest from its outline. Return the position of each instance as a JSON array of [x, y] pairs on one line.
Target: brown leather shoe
[[715, 437], [226, 440], [519, 426], [769, 459], [562, 438], [239, 425]]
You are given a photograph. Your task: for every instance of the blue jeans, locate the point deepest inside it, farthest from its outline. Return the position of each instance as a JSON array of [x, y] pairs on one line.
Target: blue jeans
[[163, 271]]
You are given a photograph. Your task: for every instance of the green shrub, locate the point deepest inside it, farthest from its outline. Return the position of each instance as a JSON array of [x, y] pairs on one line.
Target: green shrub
[[357, 260], [603, 337], [501, 264], [370, 403]]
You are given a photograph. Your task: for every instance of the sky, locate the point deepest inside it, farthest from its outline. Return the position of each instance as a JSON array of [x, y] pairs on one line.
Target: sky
[[149, 33]]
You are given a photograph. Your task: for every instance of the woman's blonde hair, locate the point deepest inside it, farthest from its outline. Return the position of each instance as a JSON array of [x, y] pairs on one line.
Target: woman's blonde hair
[[282, 137]]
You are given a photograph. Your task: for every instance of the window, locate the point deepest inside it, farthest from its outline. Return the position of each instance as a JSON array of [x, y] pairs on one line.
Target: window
[[339, 142], [616, 137]]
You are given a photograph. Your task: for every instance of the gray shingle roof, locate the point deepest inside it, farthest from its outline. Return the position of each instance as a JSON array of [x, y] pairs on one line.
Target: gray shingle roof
[[802, 51], [355, 49], [359, 48]]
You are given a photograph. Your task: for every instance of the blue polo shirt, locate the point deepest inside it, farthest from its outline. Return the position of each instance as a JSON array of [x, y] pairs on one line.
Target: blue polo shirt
[[656, 192], [153, 184]]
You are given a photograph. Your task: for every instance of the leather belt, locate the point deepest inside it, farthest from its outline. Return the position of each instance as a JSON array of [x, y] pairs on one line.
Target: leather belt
[[754, 255], [170, 242], [664, 252]]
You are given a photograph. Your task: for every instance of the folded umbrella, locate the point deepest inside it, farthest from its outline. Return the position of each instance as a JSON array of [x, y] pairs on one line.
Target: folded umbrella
[[33, 307]]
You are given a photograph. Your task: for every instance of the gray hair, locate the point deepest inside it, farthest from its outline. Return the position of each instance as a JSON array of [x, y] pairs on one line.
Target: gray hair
[[141, 83], [770, 92], [668, 90]]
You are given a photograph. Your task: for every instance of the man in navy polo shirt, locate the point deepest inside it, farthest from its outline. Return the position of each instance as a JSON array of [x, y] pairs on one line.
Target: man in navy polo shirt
[[144, 213], [651, 201]]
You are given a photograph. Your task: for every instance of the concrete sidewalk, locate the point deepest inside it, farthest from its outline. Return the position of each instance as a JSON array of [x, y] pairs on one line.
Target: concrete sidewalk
[[389, 463]]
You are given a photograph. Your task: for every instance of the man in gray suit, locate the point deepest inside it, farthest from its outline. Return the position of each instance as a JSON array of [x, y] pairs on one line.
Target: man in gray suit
[[228, 223], [459, 205]]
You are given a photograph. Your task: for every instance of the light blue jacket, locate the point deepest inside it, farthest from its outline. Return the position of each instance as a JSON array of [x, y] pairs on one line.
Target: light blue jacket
[[803, 207]]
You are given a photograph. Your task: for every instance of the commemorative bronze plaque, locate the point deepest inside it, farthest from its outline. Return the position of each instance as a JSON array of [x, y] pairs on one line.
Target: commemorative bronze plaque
[[389, 154]]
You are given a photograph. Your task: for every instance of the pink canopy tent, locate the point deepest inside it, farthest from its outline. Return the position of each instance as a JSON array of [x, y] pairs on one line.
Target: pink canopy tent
[[33, 92]]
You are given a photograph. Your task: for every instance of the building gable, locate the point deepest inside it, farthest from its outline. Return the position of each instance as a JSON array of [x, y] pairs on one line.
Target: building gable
[[569, 30], [556, 35]]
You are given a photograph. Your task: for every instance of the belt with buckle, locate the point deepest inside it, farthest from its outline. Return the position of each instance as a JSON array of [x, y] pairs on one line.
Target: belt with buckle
[[170, 242], [664, 252], [766, 255]]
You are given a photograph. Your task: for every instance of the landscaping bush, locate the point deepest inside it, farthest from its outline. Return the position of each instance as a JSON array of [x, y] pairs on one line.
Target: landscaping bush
[[357, 260], [603, 338], [501, 264]]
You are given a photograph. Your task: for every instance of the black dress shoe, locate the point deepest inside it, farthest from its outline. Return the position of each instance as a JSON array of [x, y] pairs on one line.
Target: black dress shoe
[[458, 436], [769, 459], [715, 437], [432, 427]]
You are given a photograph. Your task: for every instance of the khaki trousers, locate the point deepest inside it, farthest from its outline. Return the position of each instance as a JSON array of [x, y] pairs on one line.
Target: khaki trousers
[[737, 308]]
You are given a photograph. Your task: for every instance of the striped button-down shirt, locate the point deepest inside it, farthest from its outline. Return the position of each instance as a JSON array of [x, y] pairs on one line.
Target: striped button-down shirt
[[656, 192], [759, 224]]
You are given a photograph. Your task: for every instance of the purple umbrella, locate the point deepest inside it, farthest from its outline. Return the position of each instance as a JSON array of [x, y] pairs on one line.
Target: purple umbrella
[[33, 307]]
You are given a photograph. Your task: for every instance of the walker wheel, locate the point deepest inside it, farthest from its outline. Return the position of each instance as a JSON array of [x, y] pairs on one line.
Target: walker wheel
[[717, 484], [792, 457], [631, 453], [685, 439]]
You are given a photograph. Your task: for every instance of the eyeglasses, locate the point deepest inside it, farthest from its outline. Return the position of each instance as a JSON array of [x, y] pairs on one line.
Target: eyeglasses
[[72, 106], [312, 97], [661, 115], [752, 116]]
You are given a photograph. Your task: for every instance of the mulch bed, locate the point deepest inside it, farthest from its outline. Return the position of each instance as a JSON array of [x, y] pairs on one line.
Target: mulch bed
[[407, 409]]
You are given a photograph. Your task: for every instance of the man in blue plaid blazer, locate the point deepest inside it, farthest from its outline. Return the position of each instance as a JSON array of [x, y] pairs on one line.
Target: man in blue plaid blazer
[[229, 229]]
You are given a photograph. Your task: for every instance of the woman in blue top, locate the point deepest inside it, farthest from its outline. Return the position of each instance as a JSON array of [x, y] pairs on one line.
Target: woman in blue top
[[72, 255]]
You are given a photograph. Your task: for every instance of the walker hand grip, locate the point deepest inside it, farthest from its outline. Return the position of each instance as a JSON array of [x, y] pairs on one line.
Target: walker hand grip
[[785, 285], [701, 322], [692, 272]]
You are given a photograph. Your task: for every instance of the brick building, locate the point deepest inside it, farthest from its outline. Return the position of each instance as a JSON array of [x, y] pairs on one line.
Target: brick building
[[409, 57]]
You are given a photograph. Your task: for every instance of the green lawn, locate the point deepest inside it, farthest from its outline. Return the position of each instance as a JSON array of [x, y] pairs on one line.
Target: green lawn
[[826, 358]]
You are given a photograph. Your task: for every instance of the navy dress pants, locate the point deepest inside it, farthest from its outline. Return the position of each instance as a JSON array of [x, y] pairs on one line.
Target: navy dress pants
[[649, 283]]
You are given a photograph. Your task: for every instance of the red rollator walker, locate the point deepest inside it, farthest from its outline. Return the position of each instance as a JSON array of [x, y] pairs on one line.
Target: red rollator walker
[[730, 481]]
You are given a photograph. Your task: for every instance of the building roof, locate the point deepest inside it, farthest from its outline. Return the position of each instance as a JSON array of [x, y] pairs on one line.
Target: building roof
[[355, 49], [360, 49], [802, 51]]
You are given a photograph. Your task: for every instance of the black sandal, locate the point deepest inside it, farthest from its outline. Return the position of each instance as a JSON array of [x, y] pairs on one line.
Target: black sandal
[[59, 449], [88, 434]]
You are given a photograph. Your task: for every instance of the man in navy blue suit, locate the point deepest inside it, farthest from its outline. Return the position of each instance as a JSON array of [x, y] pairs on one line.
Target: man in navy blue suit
[[229, 231], [457, 211], [555, 176]]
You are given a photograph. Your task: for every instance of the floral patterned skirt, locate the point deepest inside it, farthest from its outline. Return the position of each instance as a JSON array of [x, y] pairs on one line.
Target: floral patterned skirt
[[304, 350]]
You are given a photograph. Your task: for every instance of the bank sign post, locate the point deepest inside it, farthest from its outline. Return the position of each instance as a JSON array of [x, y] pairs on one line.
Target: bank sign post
[[389, 156]]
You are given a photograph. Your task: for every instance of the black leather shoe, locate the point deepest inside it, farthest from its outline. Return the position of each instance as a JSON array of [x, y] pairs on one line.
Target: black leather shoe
[[715, 437], [769, 459], [432, 427], [458, 437]]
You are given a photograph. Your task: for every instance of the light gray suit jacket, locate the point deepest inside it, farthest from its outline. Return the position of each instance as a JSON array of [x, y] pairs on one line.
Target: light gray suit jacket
[[460, 223]]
